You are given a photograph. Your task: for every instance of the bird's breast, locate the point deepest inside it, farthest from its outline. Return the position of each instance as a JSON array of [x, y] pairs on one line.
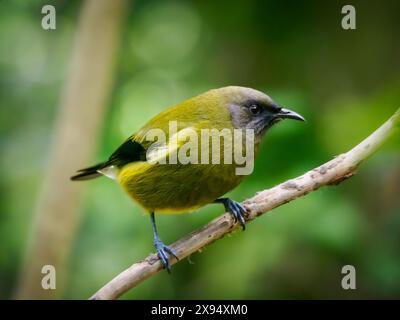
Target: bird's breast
[[175, 188]]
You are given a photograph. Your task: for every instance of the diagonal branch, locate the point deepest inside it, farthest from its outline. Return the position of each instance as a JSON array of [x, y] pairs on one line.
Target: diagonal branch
[[331, 173]]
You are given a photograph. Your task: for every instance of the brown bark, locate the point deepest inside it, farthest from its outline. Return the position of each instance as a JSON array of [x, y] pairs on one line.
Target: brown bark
[[331, 173]]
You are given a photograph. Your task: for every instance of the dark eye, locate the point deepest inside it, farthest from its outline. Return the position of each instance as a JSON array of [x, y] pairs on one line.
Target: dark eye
[[255, 109]]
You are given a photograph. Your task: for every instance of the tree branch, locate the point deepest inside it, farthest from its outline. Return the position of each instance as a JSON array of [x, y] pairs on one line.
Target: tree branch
[[78, 126], [333, 172]]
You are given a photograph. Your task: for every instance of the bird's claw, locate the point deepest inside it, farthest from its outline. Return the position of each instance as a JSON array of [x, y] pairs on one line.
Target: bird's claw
[[164, 252], [237, 210]]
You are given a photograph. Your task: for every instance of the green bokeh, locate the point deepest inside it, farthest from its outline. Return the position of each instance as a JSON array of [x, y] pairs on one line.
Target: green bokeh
[[344, 82]]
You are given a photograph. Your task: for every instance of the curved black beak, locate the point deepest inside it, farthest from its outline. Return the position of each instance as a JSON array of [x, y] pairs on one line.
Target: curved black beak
[[289, 114]]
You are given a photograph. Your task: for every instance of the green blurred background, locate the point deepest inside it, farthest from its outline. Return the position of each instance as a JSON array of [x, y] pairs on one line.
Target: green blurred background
[[345, 82]]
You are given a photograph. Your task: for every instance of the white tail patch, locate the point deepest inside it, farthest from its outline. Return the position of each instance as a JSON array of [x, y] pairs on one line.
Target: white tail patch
[[110, 172]]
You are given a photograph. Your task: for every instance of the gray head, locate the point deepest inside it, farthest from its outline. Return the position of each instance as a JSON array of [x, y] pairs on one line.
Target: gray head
[[252, 109]]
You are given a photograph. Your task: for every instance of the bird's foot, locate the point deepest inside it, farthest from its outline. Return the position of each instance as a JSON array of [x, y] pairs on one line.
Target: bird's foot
[[236, 209], [164, 252]]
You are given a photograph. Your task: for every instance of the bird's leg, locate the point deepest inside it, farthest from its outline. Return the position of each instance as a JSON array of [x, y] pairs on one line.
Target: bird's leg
[[235, 208], [163, 251]]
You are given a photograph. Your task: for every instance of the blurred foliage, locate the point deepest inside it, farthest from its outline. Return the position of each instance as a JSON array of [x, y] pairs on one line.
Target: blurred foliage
[[345, 83]]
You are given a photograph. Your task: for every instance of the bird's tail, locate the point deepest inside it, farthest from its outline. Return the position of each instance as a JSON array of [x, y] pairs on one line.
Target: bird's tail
[[89, 173]]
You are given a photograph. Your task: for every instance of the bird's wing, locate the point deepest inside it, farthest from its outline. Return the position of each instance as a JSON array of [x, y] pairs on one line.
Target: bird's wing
[[160, 151], [130, 151], [159, 142]]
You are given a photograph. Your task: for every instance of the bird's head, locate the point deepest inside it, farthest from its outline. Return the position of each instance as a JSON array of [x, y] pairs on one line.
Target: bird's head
[[252, 109]]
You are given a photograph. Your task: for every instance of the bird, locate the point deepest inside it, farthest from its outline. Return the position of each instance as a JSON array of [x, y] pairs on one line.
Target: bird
[[169, 187]]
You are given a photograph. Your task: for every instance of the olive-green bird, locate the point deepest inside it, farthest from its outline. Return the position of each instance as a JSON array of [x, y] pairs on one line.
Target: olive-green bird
[[176, 188]]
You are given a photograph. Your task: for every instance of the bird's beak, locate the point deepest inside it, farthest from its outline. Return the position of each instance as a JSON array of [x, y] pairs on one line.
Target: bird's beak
[[289, 114]]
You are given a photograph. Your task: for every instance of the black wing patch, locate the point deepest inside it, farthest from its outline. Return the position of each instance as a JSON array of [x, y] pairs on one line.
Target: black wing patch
[[129, 151]]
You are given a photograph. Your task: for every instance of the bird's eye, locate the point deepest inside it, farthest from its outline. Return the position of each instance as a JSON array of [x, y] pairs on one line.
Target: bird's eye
[[255, 109]]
